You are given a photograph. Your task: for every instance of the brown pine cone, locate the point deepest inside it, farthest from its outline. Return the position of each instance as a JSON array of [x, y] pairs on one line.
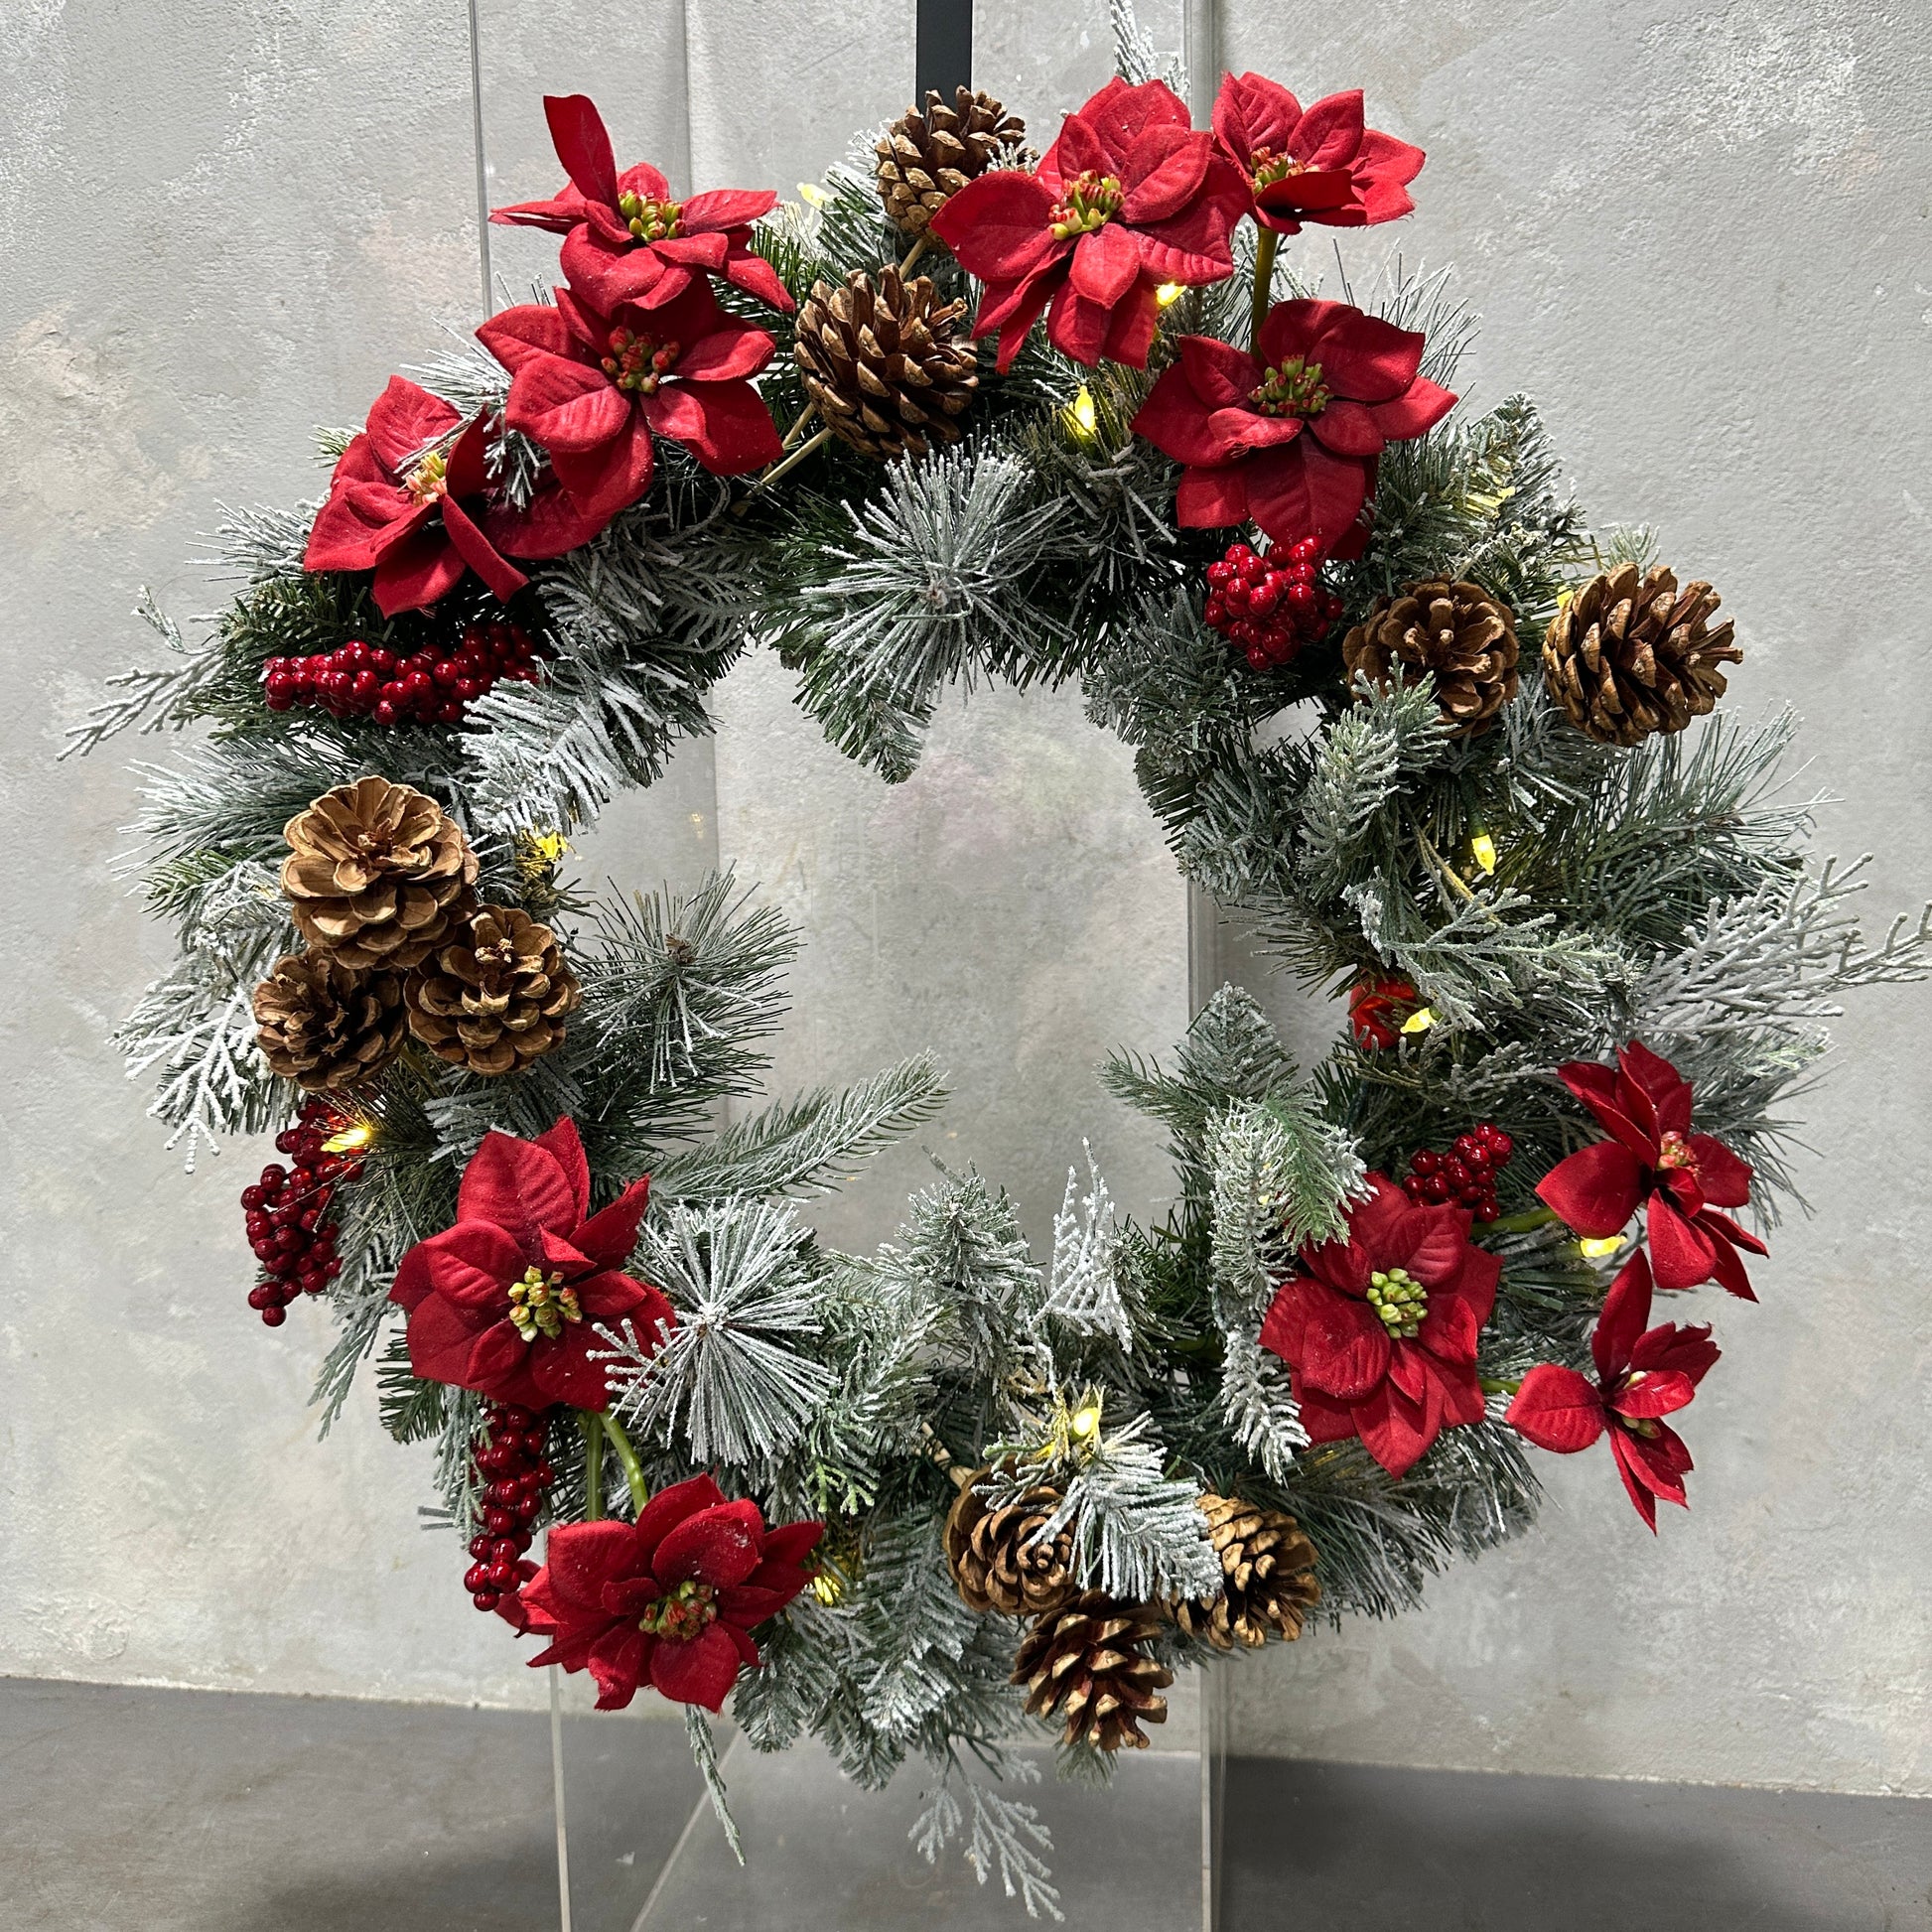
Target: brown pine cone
[[998, 1558], [378, 874], [324, 1024], [1085, 1662], [1627, 658], [883, 365], [1269, 1566], [1459, 632], [494, 997], [926, 158]]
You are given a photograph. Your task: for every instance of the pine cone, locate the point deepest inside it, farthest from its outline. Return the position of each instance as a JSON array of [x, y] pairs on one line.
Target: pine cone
[[998, 1559], [1085, 1662], [1462, 633], [378, 874], [495, 996], [882, 366], [324, 1024], [1626, 659], [926, 158], [1270, 1570]]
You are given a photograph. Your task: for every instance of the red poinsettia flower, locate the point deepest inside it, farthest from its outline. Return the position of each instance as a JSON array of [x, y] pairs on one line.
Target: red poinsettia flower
[[592, 387], [1642, 1375], [626, 239], [1377, 1009], [1653, 1157], [1319, 164], [1379, 1330], [669, 1599], [1129, 196], [1289, 437], [506, 1301], [418, 510]]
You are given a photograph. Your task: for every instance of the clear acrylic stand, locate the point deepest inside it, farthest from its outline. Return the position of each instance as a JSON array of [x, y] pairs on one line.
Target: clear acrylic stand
[[819, 1850]]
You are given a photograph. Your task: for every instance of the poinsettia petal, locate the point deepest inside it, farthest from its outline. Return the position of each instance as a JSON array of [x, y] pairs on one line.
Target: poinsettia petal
[[1325, 1421], [1666, 1089], [470, 1264], [1639, 1493], [477, 550], [562, 1142], [726, 426], [561, 1366], [719, 1545], [1658, 1461], [1680, 1253], [1597, 1087], [1330, 131], [582, 145], [520, 1187], [1556, 1409], [581, 1559], [416, 569], [1338, 1342], [1415, 412], [1347, 428], [514, 335], [560, 213], [1365, 358], [441, 1336], [566, 406], [1162, 173], [732, 350], [500, 1365], [1645, 1394], [670, 1506], [1210, 500], [1688, 1351], [1394, 1430], [1076, 326], [1626, 1308], [1242, 431], [1595, 1191], [404, 420], [617, 1662], [1123, 114], [1174, 420], [759, 280], [1302, 490], [701, 1671], [725, 207], [1131, 331], [1385, 166], [1106, 264], [1724, 1178], [1315, 195], [1457, 1311], [549, 525], [608, 1236], [1251, 112], [1191, 247], [791, 1542], [997, 227], [611, 477], [1726, 1268]]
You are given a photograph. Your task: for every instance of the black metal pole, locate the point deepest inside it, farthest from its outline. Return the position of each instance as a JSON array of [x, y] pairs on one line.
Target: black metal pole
[[943, 53]]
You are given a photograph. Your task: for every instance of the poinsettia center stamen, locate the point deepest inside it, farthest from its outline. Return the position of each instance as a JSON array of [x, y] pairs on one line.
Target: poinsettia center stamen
[[1089, 202], [681, 1614], [1292, 389], [540, 1305], [1266, 168], [429, 479], [1400, 1300], [1674, 1151], [639, 362], [650, 221]]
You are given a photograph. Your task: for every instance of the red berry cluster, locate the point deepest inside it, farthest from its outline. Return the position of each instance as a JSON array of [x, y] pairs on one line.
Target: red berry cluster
[[1466, 1176], [362, 680], [509, 1463], [1271, 613], [289, 1224]]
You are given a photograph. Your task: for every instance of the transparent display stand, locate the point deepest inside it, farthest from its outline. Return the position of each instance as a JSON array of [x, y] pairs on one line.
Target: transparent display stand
[[641, 1851]]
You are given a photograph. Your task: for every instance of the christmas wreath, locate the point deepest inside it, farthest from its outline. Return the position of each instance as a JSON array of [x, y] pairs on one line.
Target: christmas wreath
[[972, 410]]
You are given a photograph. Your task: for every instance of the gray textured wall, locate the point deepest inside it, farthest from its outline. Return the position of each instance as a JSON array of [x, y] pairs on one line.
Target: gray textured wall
[[1699, 239]]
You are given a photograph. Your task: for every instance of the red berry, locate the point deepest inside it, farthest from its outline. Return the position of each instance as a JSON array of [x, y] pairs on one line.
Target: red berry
[[486, 1599], [273, 1316]]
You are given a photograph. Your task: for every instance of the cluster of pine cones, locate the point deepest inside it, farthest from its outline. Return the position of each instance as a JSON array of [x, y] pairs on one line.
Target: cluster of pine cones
[[1085, 1660], [880, 359], [381, 884], [1628, 654]]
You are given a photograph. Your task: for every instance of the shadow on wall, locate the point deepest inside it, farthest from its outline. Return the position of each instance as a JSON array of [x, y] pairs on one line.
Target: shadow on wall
[[1355, 1848]]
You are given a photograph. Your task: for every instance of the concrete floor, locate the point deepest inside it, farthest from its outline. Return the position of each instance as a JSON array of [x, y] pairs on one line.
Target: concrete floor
[[126, 1810]]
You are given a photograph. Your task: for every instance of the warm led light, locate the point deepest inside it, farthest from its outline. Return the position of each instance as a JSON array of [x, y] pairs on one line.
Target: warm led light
[[1086, 1422], [350, 1139], [828, 1587], [1596, 1250], [812, 194], [1169, 291], [1483, 849], [1420, 1020], [1082, 411]]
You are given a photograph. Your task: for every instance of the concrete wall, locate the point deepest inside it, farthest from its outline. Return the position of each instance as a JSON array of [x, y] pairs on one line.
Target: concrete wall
[[226, 222]]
